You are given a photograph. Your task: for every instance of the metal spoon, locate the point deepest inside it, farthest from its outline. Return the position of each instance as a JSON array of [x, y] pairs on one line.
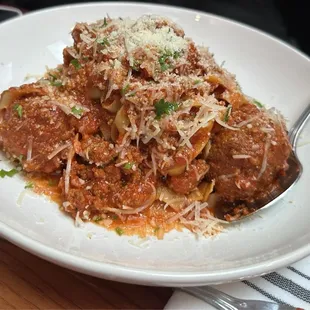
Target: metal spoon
[[284, 183]]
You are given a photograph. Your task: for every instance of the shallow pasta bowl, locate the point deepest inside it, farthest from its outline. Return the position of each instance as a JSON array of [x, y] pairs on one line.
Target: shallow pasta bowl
[[266, 68]]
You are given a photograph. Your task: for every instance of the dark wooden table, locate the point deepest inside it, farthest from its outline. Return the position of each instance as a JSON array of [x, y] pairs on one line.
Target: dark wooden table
[[28, 282]]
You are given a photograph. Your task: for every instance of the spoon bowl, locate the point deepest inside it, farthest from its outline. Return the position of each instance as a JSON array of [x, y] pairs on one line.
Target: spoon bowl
[[236, 211]]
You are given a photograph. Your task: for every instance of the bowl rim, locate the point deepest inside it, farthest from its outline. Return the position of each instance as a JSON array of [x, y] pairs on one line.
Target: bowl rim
[[134, 274]]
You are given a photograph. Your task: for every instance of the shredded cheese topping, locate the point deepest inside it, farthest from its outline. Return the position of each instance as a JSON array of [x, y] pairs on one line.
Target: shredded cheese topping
[[162, 94]]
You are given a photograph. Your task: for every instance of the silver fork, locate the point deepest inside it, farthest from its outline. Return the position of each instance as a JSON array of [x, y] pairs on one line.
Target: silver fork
[[224, 301]]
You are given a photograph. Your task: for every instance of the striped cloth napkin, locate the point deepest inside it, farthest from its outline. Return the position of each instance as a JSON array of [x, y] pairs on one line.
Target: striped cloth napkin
[[290, 286]]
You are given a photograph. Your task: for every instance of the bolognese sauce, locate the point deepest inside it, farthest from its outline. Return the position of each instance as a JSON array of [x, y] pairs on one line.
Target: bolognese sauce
[[140, 127]]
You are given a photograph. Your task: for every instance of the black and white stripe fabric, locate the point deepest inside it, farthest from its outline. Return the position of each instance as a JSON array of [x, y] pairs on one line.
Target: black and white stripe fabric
[[289, 286]]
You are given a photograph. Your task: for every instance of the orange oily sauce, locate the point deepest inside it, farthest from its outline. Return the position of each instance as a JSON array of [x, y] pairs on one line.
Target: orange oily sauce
[[152, 221]]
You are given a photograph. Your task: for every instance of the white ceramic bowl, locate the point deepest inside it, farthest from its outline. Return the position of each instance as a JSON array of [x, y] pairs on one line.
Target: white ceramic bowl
[[266, 68]]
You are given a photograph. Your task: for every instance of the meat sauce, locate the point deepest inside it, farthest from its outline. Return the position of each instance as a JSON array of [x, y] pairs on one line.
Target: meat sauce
[[149, 222], [143, 138]]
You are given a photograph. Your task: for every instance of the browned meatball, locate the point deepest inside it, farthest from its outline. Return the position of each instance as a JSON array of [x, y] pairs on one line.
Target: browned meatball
[[31, 129], [246, 162], [189, 180], [90, 122]]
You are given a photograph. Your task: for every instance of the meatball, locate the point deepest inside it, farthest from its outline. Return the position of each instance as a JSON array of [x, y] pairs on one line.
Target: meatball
[[31, 129], [245, 163]]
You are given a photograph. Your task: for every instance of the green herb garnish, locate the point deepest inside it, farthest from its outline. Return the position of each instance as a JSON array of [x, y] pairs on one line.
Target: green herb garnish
[[164, 107], [103, 41], [20, 157], [257, 103], [176, 54], [8, 173], [227, 114], [52, 182], [156, 229], [54, 77], [104, 23], [132, 94], [54, 80], [75, 64], [77, 111], [197, 82], [97, 218], [29, 185], [125, 89], [163, 65], [119, 231], [19, 109], [128, 165], [136, 65], [56, 83], [165, 56], [114, 217]]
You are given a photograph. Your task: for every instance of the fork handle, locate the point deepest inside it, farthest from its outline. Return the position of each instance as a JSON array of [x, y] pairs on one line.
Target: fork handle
[[210, 297], [222, 301]]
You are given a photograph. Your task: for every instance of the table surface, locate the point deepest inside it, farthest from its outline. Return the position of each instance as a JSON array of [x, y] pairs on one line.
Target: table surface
[[28, 282]]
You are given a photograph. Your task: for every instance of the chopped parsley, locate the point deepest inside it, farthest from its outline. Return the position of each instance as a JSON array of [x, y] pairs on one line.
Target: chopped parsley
[[103, 42], [163, 65], [132, 94], [136, 65], [164, 107], [19, 109], [52, 182], [128, 166], [156, 229], [54, 80], [119, 231], [8, 173], [165, 56], [53, 76], [257, 103], [197, 82], [104, 23], [227, 114], [29, 185], [77, 111], [114, 217], [20, 157], [56, 83], [223, 63], [176, 54], [97, 218], [75, 64], [125, 89]]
